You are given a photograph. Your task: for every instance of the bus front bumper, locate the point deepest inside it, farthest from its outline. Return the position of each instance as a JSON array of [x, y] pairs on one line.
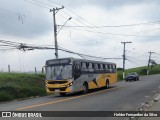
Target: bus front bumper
[[57, 88]]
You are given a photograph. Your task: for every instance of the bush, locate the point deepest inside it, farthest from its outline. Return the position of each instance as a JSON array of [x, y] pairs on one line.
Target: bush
[[143, 71], [5, 96], [15, 86], [120, 75]]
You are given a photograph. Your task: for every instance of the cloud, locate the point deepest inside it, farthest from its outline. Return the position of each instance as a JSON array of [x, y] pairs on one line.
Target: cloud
[[107, 4], [34, 25], [22, 19]]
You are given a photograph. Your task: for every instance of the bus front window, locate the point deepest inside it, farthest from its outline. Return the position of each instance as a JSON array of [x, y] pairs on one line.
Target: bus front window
[[60, 72]]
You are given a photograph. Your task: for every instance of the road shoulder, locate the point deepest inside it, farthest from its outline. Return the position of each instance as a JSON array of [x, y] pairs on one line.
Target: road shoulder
[[152, 105]]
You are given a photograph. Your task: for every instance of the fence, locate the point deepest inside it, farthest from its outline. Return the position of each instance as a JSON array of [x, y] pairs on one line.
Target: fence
[[12, 69]]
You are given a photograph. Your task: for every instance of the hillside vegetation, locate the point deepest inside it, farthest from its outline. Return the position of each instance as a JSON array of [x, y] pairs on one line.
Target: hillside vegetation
[[140, 70], [16, 85]]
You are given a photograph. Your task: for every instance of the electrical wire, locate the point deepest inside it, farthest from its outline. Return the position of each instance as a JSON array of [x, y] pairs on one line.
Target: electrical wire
[[129, 25], [126, 35], [37, 4], [24, 47]]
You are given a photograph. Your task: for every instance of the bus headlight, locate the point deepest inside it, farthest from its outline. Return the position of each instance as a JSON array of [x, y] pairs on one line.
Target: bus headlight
[[70, 84]]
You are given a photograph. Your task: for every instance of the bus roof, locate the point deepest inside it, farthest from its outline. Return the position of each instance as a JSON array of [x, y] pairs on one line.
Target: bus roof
[[69, 59]]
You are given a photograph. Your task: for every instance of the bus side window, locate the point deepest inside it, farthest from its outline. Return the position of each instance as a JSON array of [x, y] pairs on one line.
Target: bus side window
[[96, 69], [114, 68], [93, 65], [101, 68], [84, 67], [77, 71], [90, 67], [107, 68], [111, 68], [104, 67]]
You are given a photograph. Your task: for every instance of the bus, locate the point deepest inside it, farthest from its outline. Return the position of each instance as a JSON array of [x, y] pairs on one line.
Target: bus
[[69, 75]]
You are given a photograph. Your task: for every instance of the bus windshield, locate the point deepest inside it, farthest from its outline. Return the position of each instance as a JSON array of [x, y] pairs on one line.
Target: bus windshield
[[60, 72]]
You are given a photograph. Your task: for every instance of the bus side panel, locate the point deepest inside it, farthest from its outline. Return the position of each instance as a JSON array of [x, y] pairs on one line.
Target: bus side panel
[[113, 78], [90, 79], [100, 80], [97, 82]]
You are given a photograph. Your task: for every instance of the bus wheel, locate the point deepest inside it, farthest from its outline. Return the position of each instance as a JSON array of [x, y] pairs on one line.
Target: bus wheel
[[85, 88], [62, 94], [107, 84]]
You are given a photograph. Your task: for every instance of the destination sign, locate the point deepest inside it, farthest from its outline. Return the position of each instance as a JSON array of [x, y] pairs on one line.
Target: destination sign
[[58, 61]]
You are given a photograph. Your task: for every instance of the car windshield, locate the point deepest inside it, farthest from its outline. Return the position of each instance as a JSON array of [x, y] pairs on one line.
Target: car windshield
[[131, 73], [60, 72]]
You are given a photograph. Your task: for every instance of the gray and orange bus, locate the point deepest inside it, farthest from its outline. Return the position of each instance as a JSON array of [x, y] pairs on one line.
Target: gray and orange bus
[[69, 75]]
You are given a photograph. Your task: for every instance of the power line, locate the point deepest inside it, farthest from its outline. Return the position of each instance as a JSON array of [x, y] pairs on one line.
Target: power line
[[26, 47], [73, 13], [83, 20], [43, 3], [129, 25], [116, 34], [54, 25], [93, 26], [37, 4]]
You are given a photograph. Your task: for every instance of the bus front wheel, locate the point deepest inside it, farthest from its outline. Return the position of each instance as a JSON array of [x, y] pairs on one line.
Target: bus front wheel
[[85, 88]]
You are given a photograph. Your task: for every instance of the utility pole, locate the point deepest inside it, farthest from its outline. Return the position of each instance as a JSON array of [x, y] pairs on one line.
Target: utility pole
[[9, 68], [124, 57], [35, 70], [55, 10], [149, 60]]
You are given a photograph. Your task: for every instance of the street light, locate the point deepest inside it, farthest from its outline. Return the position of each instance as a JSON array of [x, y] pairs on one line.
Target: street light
[[64, 25]]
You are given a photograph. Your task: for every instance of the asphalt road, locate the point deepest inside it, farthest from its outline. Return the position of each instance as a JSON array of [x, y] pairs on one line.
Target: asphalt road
[[122, 96]]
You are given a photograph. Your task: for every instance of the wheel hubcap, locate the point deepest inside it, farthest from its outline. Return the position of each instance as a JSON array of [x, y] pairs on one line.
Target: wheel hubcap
[[84, 88]]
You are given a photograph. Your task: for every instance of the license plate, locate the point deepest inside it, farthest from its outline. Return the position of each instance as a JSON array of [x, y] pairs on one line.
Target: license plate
[[57, 90]]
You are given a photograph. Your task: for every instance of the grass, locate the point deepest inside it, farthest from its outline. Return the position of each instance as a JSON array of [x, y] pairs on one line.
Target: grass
[[140, 70], [16, 86]]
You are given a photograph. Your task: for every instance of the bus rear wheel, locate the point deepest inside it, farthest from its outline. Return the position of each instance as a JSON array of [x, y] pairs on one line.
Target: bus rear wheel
[[107, 84], [85, 88]]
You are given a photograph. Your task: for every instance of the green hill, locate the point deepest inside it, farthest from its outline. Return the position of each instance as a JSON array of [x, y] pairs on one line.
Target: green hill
[[16, 86], [140, 70]]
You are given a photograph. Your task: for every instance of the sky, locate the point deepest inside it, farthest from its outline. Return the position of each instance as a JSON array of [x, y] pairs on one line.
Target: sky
[[97, 28]]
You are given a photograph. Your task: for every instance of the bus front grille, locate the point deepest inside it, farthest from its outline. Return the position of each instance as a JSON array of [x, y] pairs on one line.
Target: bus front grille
[[61, 89], [57, 82]]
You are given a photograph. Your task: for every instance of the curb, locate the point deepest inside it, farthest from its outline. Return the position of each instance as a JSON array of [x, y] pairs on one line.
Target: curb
[[156, 99], [145, 106]]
